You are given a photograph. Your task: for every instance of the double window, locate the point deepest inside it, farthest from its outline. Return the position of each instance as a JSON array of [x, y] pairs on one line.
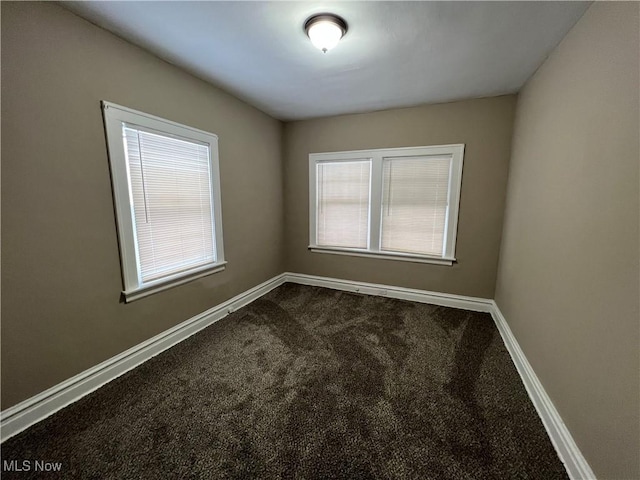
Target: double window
[[167, 197], [399, 203]]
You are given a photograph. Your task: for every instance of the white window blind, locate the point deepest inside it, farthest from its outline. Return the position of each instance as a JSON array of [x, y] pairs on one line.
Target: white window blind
[[414, 204], [171, 195], [343, 203]]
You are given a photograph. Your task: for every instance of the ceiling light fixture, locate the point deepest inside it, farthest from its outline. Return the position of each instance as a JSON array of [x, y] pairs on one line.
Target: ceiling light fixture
[[325, 30]]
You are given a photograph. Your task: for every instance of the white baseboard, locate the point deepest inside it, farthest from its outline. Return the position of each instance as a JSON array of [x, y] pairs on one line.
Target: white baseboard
[[475, 304], [569, 453], [21, 416]]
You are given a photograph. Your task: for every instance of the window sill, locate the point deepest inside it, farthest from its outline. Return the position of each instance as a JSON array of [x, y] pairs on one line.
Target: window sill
[[172, 281], [404, 257]]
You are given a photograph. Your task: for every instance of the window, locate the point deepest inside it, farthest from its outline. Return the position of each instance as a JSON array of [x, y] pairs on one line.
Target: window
[[397, 203], [166, 189]]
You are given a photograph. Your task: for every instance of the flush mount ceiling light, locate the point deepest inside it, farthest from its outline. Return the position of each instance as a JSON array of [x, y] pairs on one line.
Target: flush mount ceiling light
[[325, 30]]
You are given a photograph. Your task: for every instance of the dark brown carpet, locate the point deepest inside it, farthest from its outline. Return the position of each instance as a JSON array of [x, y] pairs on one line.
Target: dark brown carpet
[[309, 383]]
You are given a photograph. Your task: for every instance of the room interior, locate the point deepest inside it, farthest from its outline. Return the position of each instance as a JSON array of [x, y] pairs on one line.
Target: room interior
[[548, 225]]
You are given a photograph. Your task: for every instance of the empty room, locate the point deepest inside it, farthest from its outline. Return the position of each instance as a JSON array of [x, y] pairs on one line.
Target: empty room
[[315, 240]]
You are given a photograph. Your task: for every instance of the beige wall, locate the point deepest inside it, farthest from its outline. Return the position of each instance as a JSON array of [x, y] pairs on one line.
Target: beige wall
[[568, 276], [61, 309], [484, 125]]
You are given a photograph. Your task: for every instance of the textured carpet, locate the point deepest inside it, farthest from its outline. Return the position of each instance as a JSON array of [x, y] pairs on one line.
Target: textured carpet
[[306, 383]]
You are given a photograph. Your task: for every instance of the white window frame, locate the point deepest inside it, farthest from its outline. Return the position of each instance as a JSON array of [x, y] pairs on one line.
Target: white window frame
[[114, 116], [376, 156]]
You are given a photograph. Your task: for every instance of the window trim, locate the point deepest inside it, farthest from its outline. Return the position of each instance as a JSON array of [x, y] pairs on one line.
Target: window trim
[[114, 116], [376, 156]]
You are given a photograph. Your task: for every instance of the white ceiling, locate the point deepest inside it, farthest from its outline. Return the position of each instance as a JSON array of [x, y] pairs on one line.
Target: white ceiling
[[395, 54]]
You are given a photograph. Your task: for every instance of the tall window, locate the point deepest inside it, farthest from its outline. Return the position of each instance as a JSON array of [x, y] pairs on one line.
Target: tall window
[[399, 203], [167, 196]]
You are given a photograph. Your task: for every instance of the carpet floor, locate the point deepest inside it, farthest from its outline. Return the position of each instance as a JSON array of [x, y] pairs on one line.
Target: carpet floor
[[308, 383]]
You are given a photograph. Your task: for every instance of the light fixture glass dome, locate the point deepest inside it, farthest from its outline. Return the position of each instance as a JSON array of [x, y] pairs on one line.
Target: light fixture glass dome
[[325, 31]]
